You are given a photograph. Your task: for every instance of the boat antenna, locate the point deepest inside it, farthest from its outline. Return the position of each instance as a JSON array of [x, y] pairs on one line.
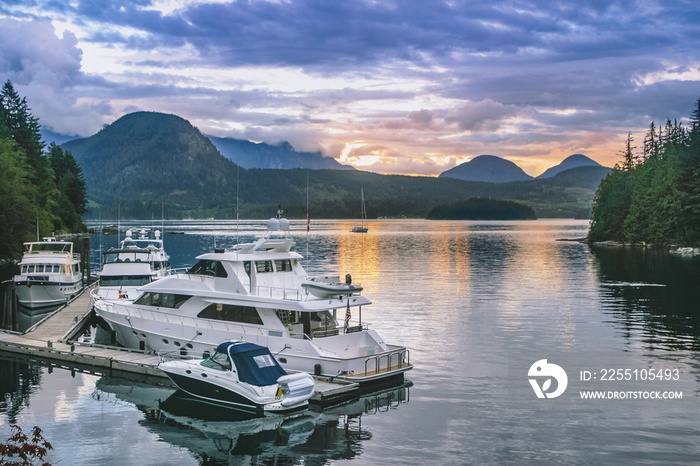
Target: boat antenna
[[308, 217], [238, 169]]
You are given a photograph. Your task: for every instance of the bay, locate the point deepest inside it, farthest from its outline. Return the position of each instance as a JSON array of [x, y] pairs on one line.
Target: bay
[[477, 304]]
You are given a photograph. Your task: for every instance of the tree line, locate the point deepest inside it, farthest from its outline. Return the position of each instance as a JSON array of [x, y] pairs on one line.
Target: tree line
[[653, 194], [479, 208], [42, 189]]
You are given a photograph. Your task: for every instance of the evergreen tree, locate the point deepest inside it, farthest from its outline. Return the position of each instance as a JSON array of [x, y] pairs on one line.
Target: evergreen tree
[[651, 143], [72, 191], [17, 196], [628, 158], [658, 199], [24, 130], [689, 183]]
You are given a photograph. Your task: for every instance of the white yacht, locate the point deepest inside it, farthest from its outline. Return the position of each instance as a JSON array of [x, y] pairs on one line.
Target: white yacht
[[256, 293], [49, 276], [136, 262]]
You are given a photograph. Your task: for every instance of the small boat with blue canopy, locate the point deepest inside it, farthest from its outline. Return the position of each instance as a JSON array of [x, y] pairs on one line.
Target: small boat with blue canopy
[[242, 375]]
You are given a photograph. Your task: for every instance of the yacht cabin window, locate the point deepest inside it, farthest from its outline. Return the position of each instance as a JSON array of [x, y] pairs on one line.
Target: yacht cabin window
[[125, 280], [231, 313], [284, 265], [209, 268], [263, 266], [173, 301]]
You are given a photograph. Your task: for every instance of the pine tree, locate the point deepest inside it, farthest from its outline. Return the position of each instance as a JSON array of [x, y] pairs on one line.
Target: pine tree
[[72, 191], [628, 158], [24, 129]]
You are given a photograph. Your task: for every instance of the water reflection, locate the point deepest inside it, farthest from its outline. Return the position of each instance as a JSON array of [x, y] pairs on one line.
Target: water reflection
[[652, 294], [214, 434], [18, 381]]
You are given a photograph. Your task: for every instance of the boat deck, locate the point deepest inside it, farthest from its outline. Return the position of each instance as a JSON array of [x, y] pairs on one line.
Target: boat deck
[[51, 342]]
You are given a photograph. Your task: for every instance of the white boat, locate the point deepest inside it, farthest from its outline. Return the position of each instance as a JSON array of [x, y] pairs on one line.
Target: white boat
[[329, 286], [136, 262], [242, 375], [49, 276], [363, 215], [254, 293]]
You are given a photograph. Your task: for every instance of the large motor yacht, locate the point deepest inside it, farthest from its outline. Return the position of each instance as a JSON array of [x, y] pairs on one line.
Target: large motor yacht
[[259, 293], [49, 276], [136, 262]]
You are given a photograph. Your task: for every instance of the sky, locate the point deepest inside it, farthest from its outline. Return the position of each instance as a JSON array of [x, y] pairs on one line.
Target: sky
[[389, 86]]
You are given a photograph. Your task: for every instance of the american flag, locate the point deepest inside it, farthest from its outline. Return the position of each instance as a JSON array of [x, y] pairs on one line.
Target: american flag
[[347, 316]]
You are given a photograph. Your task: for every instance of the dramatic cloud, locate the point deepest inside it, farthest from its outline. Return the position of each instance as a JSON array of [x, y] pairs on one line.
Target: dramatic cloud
[[391, 86]]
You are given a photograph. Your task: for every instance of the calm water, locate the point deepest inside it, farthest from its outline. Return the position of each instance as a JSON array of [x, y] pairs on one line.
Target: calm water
[[477, 303]]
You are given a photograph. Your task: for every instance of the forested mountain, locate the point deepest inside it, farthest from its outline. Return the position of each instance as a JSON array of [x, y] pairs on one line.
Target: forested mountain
[[572, 161], [40, 193], [148, 158], [653, 196], [250, 154], [488, 168], [145, 162]]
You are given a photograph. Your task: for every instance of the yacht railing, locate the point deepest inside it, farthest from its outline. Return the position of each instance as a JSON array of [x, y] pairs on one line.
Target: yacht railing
[[402, 359], [264, 291]]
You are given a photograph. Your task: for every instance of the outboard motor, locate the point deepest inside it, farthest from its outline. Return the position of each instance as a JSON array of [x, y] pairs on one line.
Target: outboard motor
[[348, 279]]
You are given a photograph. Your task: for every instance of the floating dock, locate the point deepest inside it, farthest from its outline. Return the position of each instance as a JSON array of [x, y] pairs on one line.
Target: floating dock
[[52, 342]]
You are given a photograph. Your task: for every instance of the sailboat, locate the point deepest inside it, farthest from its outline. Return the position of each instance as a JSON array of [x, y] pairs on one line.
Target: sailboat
[[362, 228]]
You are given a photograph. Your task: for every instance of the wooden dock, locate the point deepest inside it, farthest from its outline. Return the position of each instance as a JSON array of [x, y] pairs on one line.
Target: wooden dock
[[52, 342]]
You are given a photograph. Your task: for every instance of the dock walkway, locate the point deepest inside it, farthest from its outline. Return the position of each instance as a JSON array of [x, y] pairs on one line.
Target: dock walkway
[[52, 342]]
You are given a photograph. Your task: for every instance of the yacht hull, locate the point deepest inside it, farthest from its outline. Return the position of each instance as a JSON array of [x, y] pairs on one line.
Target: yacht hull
[[148, 331], [39, 297]]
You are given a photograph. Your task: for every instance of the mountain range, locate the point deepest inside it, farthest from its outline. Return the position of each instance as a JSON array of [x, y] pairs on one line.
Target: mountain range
[[494, 169], [146, 162], [250, 154]]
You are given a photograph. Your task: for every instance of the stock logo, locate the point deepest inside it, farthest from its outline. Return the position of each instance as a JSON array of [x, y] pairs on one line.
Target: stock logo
[[542, 370]]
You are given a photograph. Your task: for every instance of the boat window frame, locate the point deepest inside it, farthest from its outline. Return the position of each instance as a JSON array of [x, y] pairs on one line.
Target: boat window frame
[[264, 266], [286, 265]]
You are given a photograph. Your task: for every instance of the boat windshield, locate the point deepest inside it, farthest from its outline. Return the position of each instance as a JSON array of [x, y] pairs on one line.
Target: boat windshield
[[218, 361]]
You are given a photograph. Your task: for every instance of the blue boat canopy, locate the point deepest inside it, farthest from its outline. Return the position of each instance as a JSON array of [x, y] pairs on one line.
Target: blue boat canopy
[[255, 363]]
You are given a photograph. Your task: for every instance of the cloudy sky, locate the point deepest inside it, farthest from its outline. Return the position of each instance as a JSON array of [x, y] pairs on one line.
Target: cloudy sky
[[390, 86]]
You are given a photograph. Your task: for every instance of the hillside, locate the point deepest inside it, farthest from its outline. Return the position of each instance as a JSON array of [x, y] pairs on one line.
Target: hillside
[[487, 168], [249, 154], [154, 158], [145, 163]]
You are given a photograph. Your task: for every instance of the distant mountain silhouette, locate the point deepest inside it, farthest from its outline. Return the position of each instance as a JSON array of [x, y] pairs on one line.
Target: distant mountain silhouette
[[249, 154], [572, 161], [488, 168], [146, 163]]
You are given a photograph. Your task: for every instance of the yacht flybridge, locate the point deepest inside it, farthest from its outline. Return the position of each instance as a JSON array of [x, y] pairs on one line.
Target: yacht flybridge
[[259, 293], [136, 262]]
